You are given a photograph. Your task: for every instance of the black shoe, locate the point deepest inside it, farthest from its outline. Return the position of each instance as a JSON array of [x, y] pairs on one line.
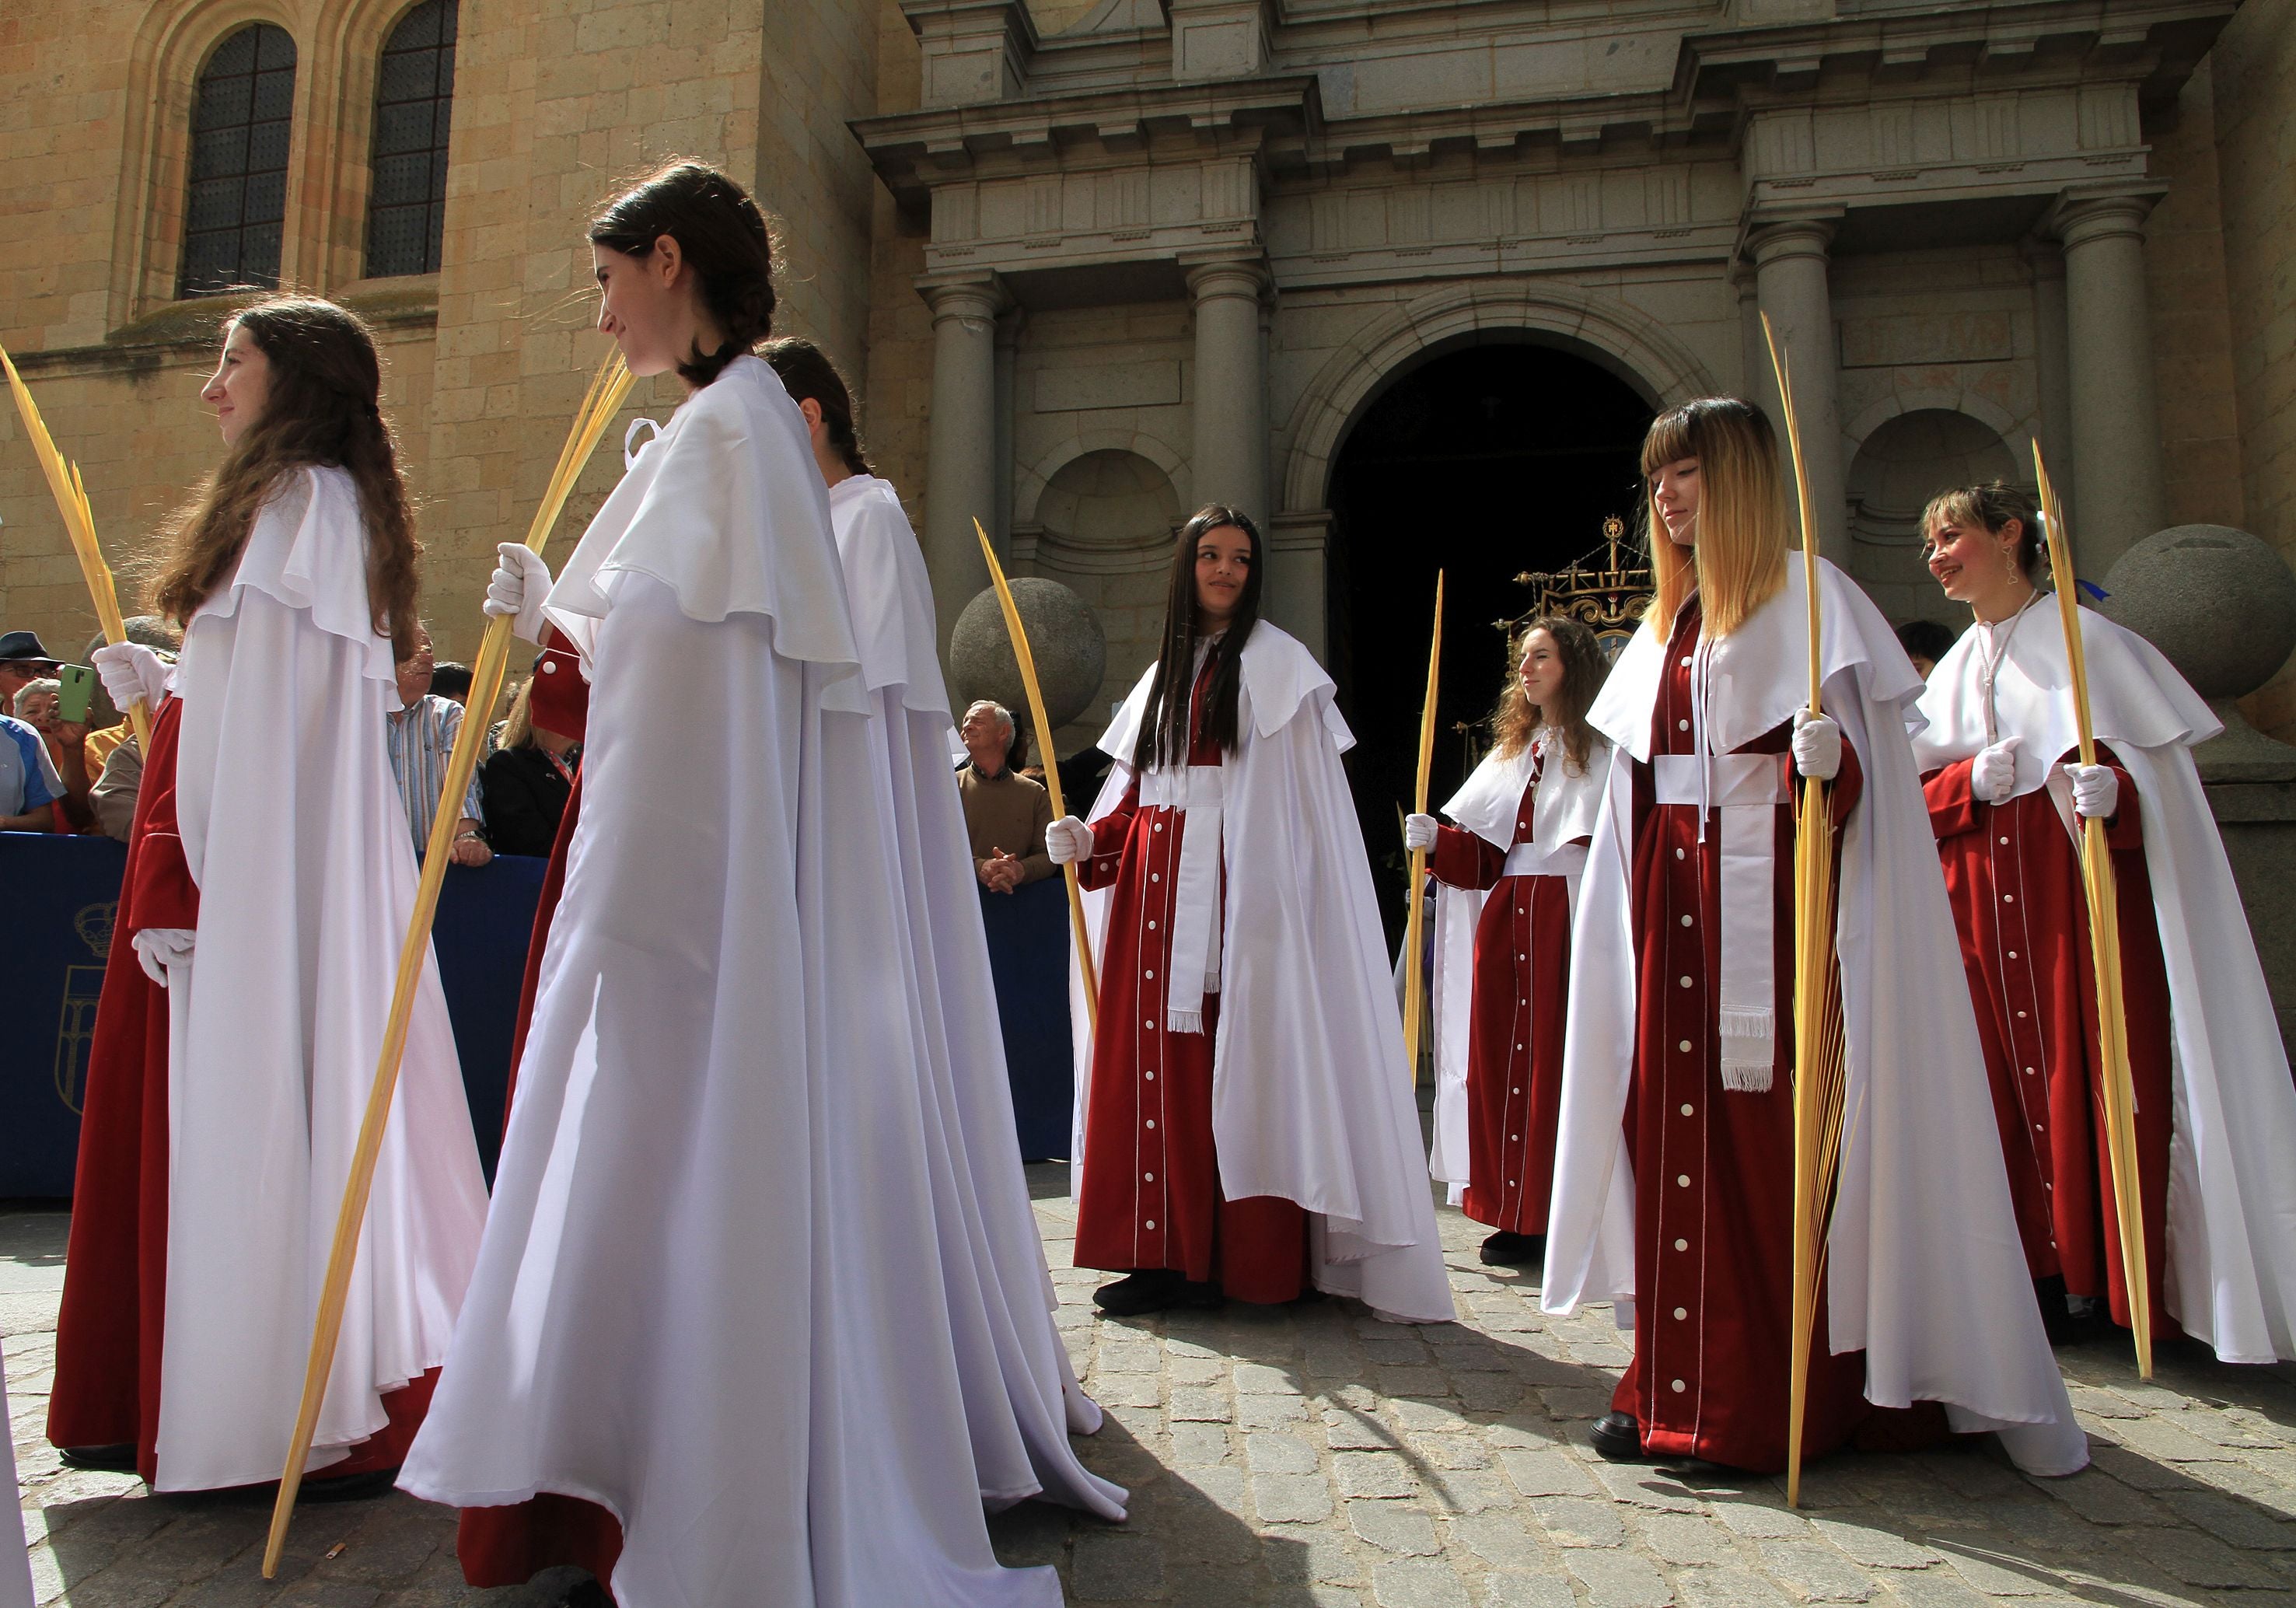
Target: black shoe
[[1149, 1290], [348, 1488], [1504, 1249], [102, 1459], [589, 1593], [2057, 1320], [1617, 1437]]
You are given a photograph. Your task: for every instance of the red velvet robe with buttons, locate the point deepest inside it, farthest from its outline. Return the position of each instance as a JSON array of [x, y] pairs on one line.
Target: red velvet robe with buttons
[[1158, 1203], [1519, 995], [1713, 1168], [509, 1546], [2014, 877], [113, 1319]]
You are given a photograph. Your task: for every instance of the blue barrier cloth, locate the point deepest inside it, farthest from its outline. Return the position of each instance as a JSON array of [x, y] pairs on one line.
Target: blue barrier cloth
[[1029, 962], [60, 896]]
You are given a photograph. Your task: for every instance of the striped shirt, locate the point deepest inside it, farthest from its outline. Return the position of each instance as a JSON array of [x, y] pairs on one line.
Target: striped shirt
[[421, 739]]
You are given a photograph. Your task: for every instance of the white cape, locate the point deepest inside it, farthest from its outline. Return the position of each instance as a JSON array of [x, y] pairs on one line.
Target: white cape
[[710, 1296], [2231, 1279], [1311, 1093], [1925, 1272], [1020, 1395], [1563, 810], [294, 831], [15, 1565]]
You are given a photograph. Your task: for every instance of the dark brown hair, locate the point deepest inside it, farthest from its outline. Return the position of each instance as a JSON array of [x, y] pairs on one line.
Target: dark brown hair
[[808, 375], [1517, 719], [323, 406], [725, 238], [1992, 506], [1164, 724]]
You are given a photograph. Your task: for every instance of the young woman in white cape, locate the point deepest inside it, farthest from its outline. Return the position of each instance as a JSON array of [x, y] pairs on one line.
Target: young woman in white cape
[[708, 1302], [270, 884], [1022, 1397], [1673, 1188], [2215, 1111], [1244, 1123], [1507, 878]]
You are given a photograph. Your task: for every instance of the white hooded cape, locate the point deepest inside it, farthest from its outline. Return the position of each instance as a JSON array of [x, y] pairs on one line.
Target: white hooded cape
[[1311, 1093], [15, 1566], [1563, 810], [1020, 1395], [2231, 1279], [709, 1298], [294, 831], [1924, 1271]]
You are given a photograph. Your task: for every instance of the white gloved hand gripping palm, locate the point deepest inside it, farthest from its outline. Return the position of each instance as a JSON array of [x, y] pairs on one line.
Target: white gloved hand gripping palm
[[131, 671], [1816, 746], [155, 947], [1993, 773], [2096, 791], [1418, 832], [1068, 841], [519, 583]]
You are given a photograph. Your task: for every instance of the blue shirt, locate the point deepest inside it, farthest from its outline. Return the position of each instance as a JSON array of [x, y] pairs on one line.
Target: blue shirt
[[28, 776], [419, 739]]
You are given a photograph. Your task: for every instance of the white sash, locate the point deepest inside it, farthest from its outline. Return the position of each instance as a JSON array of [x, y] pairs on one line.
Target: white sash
[[1742, 789], [1198, 792], [1533, 860]]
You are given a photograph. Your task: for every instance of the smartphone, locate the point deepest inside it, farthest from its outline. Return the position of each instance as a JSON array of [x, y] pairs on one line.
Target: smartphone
[[78, 687]]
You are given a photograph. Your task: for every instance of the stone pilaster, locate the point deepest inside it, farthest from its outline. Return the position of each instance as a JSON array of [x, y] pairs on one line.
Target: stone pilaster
[[2050, 360]]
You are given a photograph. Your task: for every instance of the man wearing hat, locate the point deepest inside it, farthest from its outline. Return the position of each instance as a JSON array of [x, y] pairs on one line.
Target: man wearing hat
[[22, 661], [29, 785]]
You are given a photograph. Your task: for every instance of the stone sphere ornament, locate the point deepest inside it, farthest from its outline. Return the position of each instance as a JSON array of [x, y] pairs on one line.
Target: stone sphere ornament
[[1065, 637], [2221, 605]]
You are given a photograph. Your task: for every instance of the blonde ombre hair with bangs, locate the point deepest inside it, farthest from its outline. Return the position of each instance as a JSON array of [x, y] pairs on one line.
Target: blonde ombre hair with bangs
[[1737, 560]]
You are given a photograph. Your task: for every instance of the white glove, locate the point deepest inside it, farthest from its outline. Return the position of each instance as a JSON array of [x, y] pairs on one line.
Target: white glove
[[520, 581], [2096, 791], [155, 947], [1816, 746], [130, 672], [1418, 832], [1993, 773], [1067, 840]]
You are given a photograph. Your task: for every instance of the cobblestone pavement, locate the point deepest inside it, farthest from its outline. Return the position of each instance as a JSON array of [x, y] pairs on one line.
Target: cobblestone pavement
[[1314, 1457]]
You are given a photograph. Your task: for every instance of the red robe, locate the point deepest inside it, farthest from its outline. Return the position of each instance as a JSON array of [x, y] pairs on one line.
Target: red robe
[[1150, 1095], [109, 1329], [509, 1546], [1520, 994], [1713, 1168], [2014, 877]]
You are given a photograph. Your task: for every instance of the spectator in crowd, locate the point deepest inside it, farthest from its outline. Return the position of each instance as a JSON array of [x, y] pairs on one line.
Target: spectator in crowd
[[29, 785], [1925, 641], [39, 706], [1001, 806], [525, 783], [113, 757], [451, 681], [22, 659], [420, 732]]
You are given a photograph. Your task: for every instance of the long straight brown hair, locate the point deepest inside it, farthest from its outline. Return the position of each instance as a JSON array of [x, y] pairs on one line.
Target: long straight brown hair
[[1164, 724], [1738, 562], [324, 406]]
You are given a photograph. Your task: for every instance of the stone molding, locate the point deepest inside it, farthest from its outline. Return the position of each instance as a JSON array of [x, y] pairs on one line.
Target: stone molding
[[2015, 433], [979, 297], [2087, 213], [1639, 350], [1029, 486], [975, 51]]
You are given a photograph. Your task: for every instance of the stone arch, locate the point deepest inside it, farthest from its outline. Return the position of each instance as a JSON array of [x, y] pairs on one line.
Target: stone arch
[[1901, 461], [2016, 433], [1604, 330], [1029, 484], [1101, 523]]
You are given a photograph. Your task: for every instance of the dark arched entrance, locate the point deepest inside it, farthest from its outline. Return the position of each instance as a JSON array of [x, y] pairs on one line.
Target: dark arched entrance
[[1485, 462]]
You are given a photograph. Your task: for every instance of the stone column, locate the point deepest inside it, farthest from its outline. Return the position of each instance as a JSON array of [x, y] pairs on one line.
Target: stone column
[[1231, 384], [1790, 270], [2118, 495], [961, 460], [2049, 360]]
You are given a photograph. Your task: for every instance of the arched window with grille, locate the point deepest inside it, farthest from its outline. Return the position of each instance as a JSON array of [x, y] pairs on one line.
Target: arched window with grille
[[237, 205], [414, 101]]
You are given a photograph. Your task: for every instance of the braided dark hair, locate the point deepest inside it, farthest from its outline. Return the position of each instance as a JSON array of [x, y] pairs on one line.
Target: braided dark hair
[[808, 375], [724, 237]]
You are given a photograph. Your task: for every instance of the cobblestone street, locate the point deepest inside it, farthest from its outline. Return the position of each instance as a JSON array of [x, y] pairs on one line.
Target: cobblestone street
[[1316, 1457]]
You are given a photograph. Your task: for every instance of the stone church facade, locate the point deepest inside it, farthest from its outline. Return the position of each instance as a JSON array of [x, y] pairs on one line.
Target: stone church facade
[[1094, 264]]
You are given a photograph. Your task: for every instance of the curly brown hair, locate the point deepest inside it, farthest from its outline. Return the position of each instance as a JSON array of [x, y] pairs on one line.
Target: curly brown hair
[[324, 406], [1517, 719]]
